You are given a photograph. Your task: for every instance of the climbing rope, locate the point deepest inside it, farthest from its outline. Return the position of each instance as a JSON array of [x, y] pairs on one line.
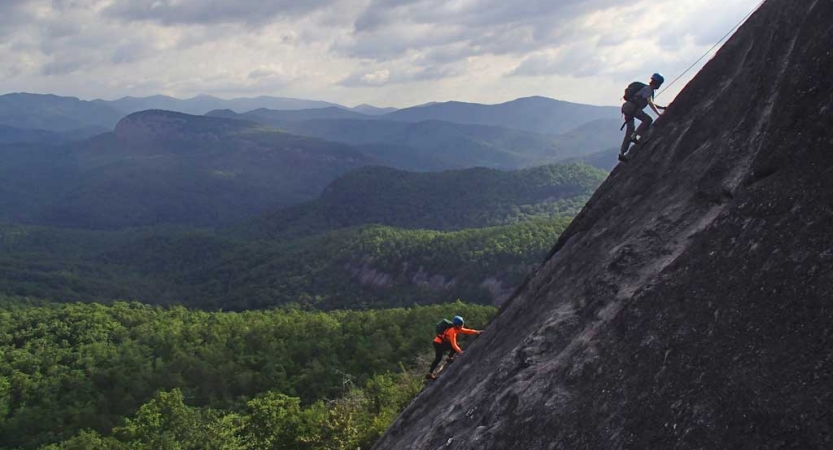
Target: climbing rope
[[713, 47]]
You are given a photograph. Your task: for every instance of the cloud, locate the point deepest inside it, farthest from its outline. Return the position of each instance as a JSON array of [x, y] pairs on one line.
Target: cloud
[[63, 65], [354, 51], [405, 74], [205, 12], [13, 14], [130, 52], [375, 78]]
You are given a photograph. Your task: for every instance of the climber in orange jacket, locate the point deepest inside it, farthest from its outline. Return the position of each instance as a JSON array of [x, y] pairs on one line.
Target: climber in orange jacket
[[446, 341]]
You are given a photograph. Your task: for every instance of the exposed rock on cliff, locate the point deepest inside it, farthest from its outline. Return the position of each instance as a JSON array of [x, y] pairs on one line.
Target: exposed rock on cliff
[[690, 304]]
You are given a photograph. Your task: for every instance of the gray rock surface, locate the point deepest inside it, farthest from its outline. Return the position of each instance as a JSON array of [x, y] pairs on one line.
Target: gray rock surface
[[690, 304]]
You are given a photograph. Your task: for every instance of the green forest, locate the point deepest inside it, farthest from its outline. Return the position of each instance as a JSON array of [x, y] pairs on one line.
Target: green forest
[[134, 376], [377, 237], [306, 328], [203, 269], [449, 200]]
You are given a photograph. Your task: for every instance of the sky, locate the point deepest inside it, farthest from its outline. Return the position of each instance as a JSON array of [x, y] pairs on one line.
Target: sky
[[382, 52]]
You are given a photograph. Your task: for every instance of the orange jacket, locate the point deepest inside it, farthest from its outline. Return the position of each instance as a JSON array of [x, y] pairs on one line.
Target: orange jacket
[[450, 335]]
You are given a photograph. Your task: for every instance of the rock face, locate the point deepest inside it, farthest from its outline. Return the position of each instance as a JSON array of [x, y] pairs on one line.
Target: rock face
[[690, 304]]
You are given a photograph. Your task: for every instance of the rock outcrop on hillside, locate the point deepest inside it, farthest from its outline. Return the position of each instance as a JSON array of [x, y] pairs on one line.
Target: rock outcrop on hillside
[[169, 125], [690, 304]]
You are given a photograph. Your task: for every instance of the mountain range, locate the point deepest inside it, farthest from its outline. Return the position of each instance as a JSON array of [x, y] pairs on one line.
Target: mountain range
[[161, 167], [439, 145], [535, 114], [202, 104], [54, 113]]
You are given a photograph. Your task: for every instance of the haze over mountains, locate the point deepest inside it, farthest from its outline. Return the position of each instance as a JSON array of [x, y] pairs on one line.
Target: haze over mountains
[[438, 145], [55, 113], [204, 103], [160, 167], [308, 177], [63, 168], [258, 175]]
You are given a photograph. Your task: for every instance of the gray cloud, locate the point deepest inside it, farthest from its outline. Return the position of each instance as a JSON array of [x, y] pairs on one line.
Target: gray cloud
[[482, 27], [8, 7], [173, 12], [444, 48], [447, 54], [64, 65], [542, 13], [130, 52], [13, 15], [392, 44], [574, 61], [61, 29], [381, 12], [384, 77]]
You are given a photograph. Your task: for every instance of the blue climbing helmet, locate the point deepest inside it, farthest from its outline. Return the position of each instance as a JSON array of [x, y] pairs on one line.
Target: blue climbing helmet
[[457, 321], [657, 78]]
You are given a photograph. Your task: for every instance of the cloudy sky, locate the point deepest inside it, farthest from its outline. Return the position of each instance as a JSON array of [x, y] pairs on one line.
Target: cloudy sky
[[383, 52]]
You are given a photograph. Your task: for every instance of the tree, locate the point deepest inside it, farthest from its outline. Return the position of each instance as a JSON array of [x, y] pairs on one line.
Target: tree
[[276, 421], [166, 423]]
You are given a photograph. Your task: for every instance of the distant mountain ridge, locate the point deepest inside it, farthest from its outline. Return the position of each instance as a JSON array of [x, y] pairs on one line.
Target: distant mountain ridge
[[537, 114], [285, 118], [371, 110], [202, 104], [48, 112], [54, 113], [439, 145], [162, 167]]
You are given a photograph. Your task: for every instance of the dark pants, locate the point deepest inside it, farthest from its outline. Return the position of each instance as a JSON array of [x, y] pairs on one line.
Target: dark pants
[[631, 111], [439, 349]]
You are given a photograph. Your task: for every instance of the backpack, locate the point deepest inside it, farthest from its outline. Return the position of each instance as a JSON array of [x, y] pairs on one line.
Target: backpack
[[632, 90], [443, 325]]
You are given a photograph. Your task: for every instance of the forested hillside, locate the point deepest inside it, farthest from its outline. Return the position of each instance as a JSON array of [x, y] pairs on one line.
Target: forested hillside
[[167, 168], [377, 237], [292, 342], [14, 135], [136, 376], [352, 268], [450, 200]]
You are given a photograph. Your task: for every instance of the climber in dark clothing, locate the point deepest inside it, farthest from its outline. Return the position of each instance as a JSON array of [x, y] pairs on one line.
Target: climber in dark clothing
[[447, 342], [637, 97]]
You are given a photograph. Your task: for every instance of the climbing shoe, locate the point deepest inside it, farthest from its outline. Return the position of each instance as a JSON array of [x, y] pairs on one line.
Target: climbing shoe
[[430, 376], [623, 158]]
